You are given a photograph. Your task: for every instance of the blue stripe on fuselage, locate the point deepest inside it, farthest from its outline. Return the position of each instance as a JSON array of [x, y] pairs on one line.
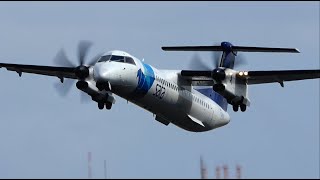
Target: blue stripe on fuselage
[[216, 97]]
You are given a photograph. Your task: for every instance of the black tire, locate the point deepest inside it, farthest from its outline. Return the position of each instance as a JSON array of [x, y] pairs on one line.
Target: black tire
[[99, 86], [100, 105], [243, 107], [108, 105], [235, 108], [106, 87]]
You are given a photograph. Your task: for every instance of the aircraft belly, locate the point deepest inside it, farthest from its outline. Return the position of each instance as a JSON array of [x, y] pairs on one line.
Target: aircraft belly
[[168, 103], [172, 110]]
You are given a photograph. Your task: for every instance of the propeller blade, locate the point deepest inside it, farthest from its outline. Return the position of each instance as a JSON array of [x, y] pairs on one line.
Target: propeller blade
[[197, 64], [94, 59], [61, 59], [216, 56], [83, 48], [64, 88], [240, 60]]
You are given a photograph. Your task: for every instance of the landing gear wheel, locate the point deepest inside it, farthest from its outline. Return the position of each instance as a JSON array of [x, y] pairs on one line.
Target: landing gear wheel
[[99, 86], [107, 87], [103, 85], [243, 107], [108, 105], [235, 108], [100, 105]]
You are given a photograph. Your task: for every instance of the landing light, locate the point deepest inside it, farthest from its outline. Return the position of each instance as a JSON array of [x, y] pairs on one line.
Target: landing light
[[241, 73]]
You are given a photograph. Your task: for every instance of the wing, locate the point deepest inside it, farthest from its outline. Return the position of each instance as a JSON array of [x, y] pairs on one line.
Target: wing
[[197, 78], [253, 77], [260, 77], [60, 72]]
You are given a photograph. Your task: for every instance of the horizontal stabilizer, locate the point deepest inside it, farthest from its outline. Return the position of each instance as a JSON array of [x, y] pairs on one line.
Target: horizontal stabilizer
[[233, 48]]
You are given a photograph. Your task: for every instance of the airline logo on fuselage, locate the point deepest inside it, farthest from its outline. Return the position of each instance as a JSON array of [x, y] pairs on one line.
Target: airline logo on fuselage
[[146, 78]]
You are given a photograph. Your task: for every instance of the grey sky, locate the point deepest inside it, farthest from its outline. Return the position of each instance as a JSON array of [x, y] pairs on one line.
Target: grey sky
[[45, 136]]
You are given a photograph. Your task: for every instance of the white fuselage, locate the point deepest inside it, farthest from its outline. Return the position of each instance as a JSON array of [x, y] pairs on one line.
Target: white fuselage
[[163, 93]]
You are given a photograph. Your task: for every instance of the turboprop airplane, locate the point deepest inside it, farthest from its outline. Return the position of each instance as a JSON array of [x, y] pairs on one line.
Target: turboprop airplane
[[195, 100]]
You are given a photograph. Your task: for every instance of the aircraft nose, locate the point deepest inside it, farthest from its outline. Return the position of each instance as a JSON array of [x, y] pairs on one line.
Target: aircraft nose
[[102, 72]]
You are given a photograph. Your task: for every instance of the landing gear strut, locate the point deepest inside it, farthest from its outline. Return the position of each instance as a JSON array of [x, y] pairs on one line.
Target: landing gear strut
[[103, 85], [218, 87]]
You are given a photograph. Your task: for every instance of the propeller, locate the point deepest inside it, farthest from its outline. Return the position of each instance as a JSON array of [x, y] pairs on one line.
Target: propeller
[[197, 64], [241, 60], [81, 70], [217, 73]]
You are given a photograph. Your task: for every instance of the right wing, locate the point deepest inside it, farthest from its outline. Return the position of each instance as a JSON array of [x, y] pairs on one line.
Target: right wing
[[60, 72]]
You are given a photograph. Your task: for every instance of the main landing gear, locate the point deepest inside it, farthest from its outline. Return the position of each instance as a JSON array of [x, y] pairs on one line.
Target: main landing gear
[[243, 107], [102, 104]]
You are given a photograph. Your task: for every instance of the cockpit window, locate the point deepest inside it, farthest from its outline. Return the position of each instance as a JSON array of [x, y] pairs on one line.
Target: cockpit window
[[130, 60], [104, 58], [117, 58]]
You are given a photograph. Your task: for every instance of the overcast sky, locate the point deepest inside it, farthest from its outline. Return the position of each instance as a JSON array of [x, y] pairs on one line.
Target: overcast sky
[[45, 136]]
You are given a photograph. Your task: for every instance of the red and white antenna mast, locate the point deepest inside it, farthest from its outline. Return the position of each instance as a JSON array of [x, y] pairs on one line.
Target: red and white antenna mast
[[203, 169], [225, 172], [218, 173], [89, 166], [238, 168]]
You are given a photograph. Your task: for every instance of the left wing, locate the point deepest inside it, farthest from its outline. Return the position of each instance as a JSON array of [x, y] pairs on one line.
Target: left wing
[[60, 72], [260, 77], [197, 78], [255, 77]]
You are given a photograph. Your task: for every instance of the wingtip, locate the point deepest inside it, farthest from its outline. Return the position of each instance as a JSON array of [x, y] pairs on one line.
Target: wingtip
[[297, 50]]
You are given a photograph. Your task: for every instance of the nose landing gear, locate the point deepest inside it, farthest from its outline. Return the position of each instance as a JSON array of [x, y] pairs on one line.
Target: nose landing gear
[[243, 107], [103, 85]]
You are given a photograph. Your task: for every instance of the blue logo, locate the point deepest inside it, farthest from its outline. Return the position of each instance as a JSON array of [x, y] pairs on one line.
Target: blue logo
[[145, 80]]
